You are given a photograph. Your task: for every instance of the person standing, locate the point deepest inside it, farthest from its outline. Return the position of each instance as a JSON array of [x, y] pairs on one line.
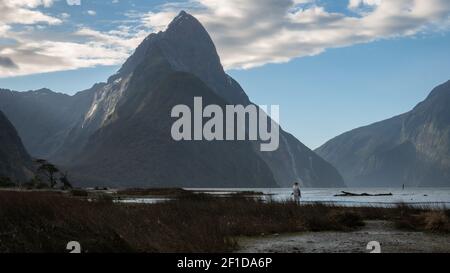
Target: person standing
[[296, 192]]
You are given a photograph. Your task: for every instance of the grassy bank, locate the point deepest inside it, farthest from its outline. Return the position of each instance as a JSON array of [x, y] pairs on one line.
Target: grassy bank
[[45, 222]]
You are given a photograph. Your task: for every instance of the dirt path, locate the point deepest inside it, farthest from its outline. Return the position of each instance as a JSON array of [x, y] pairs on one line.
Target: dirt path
[[390, 239]]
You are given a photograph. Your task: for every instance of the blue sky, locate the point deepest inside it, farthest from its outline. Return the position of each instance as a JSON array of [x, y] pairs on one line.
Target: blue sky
[[333, 66], [342, 89]]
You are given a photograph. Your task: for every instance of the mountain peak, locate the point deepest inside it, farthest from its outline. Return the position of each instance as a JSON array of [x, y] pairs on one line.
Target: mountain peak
[[44, 90], [185, 33], [183, 18], [185, 46], [182, 15], [187, 26]]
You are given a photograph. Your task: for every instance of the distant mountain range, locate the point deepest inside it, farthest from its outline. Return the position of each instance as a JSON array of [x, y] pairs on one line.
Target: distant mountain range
[[411, 149], [15, 163], [118, 133], [44, 118]]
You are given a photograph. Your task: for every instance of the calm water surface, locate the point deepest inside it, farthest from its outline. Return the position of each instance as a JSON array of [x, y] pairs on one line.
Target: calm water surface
[[414, 196], [432, 197]]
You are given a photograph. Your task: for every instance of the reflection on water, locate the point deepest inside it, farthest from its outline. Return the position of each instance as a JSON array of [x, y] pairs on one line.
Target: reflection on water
[[147, 200]]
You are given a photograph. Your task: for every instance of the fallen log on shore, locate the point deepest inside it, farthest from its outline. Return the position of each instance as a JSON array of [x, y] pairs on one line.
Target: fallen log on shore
[[345, 194]]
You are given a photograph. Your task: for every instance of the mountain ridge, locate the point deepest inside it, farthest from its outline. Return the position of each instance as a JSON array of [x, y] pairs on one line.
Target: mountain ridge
[[411, 148]]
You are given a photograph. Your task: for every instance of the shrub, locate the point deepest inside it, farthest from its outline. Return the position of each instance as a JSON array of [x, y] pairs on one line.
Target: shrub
[[421, 219], [79, 193], [436, 221], [346, 219]]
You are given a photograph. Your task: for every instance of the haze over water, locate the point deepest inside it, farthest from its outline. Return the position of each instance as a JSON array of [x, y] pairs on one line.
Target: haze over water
[[415, 196]]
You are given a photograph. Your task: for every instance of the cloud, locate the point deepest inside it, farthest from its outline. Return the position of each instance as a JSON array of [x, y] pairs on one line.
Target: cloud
[[64, 15], [84, 48], [73, 2], [3, 29], [354, 4], [6, 62], [20, 12], [122, 37], [92, 12], [36, 49], [23, 12], [252, 33], [247, 33]]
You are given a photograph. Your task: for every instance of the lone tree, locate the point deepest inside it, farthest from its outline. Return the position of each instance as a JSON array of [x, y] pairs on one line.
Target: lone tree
[[65, 181], [49, 171]]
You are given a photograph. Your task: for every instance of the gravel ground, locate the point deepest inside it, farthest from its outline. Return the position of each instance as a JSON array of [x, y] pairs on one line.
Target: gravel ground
[[390, 239]]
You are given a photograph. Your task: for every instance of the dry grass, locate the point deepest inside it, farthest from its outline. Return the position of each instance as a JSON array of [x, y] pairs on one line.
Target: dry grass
[[436, 221], [45, 222], [410, 218], [430, 221]]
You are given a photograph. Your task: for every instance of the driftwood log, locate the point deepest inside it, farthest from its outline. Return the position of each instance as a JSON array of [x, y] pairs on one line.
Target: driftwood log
[[345, 193]]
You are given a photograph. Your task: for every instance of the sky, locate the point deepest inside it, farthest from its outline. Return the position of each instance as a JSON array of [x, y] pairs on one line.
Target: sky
[[331, 65]]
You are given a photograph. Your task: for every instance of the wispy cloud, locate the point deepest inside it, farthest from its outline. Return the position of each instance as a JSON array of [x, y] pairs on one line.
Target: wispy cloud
[[256, 32], [247, 33], [36, 49], [23, 12]]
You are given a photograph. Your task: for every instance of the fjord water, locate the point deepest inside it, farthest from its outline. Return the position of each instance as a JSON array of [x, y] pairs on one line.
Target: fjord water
[[433, 197]]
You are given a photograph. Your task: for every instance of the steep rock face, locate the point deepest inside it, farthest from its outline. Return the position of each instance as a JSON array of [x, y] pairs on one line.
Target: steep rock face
[[98, 112], [411, 149], [132, 145], [187, 47], [106, 109], [138, 150], [15, 163]]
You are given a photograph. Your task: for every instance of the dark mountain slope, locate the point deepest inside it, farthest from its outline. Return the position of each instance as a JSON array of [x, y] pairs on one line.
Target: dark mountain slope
[[186, 46], [43, 117], [15, 163], [411, 149], [155, 159]]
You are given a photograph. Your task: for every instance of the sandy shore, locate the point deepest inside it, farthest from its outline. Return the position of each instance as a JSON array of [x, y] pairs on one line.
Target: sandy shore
[[390, 239]]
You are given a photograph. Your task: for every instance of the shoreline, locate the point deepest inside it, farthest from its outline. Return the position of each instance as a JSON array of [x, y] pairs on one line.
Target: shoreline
[[413, 196], [35, 222]]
